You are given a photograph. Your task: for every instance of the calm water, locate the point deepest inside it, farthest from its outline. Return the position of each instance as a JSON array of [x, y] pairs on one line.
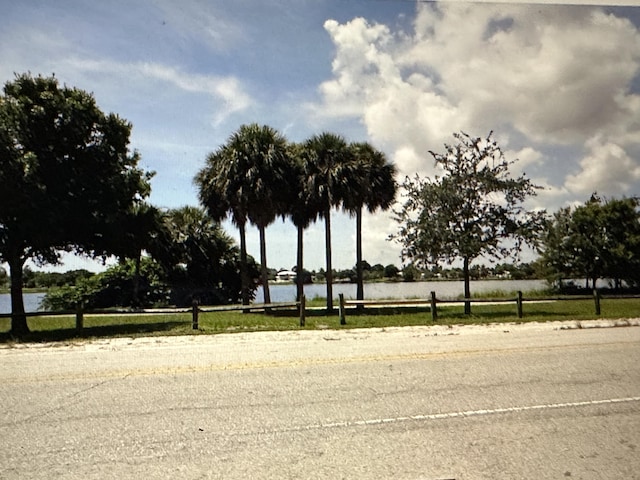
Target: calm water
[[444, 290], [31, 302], [287, 292]]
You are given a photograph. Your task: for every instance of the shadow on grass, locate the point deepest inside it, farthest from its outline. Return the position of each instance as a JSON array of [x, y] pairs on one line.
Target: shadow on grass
[[385, 311], [104, 331], [316, 312], [352, 311]]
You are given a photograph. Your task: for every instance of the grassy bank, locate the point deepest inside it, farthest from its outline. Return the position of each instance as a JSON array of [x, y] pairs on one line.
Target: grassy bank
[[63, 328]]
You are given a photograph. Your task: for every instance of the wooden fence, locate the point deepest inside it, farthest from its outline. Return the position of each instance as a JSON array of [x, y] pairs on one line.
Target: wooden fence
[[195, 311], [433, 302]]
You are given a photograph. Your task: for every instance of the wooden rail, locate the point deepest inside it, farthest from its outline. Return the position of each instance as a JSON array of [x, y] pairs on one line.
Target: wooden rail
[[195, 310], [433, 302]]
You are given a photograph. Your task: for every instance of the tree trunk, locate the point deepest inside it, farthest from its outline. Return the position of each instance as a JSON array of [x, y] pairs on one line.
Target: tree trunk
[[329, 272], [136, 283], [244, 268], [299, 266], [467, 286], [263, 265], [359, 274], [19, 325]]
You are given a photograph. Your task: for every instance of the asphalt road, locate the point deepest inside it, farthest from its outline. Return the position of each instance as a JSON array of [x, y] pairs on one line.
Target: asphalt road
[[503, 402]]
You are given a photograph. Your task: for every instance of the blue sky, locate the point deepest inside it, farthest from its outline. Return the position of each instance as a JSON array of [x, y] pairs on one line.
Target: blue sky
[[558, 84]]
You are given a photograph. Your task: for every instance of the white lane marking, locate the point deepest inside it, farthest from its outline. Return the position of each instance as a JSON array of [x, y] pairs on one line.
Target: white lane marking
[[468, 413]]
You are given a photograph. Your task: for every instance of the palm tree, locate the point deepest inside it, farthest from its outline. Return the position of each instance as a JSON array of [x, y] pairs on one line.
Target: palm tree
[[374, 187], [302, 207], [328, 172], [198, 257], [140, 226], [248, 176], [221, 192]]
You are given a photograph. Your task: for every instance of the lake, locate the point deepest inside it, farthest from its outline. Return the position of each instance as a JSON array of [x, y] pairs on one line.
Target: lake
[[444, 290], [287, 292], [31, 302]]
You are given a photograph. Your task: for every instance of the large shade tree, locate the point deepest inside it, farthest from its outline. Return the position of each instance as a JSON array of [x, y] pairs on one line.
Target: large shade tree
[[374, 187], [246, 178], [67, 176], [469, 211], [330, 174], [599, 239]]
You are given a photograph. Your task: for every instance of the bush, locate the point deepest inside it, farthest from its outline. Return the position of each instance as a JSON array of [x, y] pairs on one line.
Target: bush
[[116, 287], [119, 287]]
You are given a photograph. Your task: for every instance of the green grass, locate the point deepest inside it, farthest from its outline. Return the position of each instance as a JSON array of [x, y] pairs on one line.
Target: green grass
[[63, 328], [498, 293]]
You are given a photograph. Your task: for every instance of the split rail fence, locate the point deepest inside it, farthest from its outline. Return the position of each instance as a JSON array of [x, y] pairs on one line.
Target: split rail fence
[[433, 302], [195, 311]]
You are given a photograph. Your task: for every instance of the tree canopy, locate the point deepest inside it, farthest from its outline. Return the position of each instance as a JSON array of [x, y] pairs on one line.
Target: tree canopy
[[469, 211], [199, 260], [67, 177], [301, 205], [244, 179], [330, 176], [599, 239], [373, 188]]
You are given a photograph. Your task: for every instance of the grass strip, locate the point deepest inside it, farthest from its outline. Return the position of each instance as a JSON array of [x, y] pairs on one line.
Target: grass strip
[[62, 328]]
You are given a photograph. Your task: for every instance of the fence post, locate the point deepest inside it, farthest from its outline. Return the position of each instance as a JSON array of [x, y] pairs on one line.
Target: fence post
[[194, 315], [343, 319], [303, 306], [519, 303], [596, 298], [79, 318], [434, 311]]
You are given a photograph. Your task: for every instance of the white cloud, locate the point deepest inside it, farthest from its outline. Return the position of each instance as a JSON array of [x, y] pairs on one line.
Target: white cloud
[[540, 77], [525, 157], [227, 89], [376, 228], [359, 65], [607, 169], [138, 76], [559, 75]]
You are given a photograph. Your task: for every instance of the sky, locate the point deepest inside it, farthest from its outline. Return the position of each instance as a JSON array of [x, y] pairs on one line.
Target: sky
[[559, 85]]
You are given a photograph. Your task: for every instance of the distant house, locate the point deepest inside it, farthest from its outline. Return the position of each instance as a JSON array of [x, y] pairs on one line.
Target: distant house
[[285, 276]]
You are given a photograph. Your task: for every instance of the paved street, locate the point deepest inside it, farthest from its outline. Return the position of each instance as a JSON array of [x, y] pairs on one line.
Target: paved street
[[541, 401]]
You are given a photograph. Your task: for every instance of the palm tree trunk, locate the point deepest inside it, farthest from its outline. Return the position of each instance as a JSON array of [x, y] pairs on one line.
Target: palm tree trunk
[[19, 325], [263, 265], [329, 272], [467, 287], [244, 269], [359, 275], [299, 266]]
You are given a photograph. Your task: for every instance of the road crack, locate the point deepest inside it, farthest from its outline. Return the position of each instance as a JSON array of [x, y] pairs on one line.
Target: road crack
[[68, 401]]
